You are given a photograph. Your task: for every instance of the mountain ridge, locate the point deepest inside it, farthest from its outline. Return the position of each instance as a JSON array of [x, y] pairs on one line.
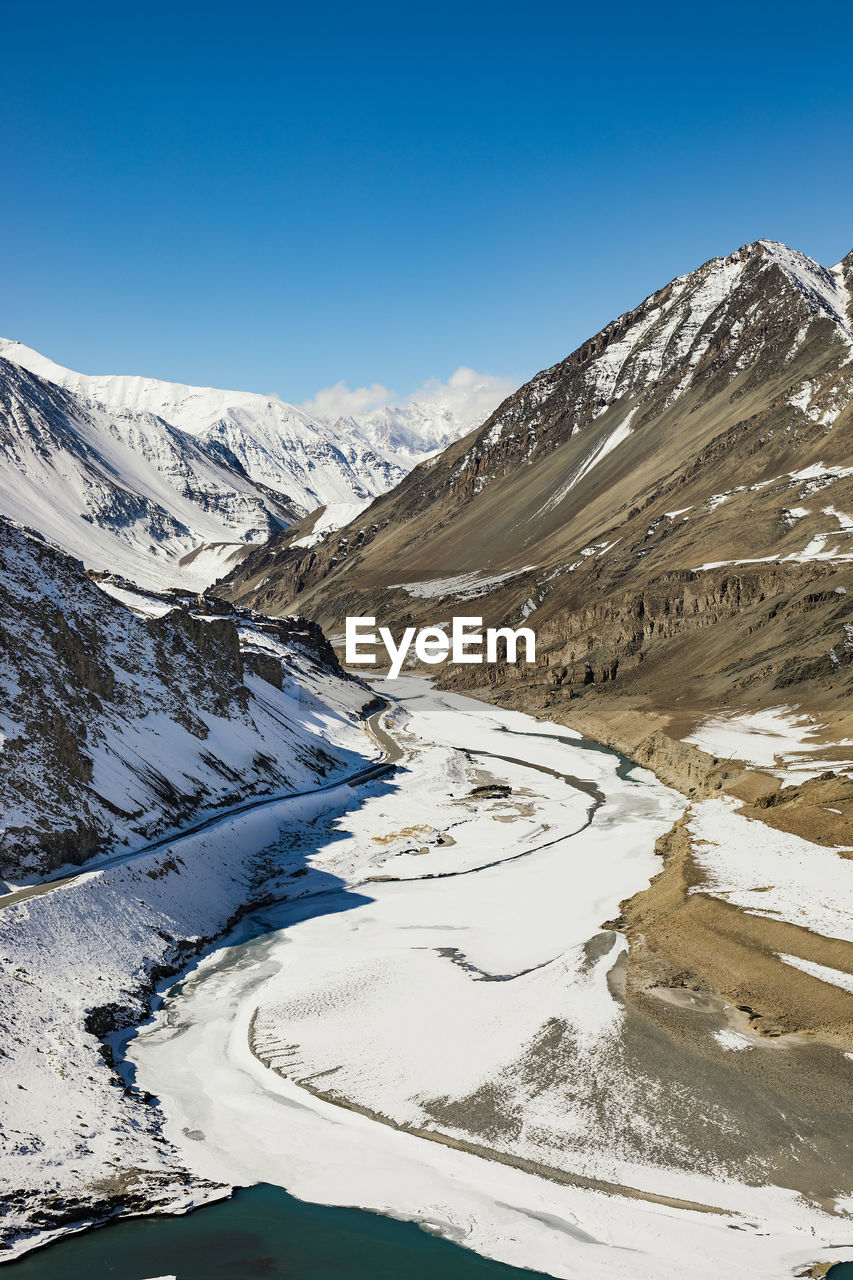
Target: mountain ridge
[[312, 460], [123, 490], [703, 438], [234, 467]]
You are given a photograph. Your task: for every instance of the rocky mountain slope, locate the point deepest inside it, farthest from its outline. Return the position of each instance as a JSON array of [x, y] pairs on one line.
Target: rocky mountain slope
[[667, 508], [123, 717], [308, 461], [671, 510]]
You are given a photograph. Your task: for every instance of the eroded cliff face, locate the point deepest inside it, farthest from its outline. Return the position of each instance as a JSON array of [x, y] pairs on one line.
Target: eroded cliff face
[[762, 634], [115, 727]]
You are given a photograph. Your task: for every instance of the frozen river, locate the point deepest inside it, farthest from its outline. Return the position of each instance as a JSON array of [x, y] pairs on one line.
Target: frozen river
[[430, 1024]]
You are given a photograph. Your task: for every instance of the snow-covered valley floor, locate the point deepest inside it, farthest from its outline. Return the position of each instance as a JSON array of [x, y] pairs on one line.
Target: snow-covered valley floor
[[431, 1026], [80, 956]]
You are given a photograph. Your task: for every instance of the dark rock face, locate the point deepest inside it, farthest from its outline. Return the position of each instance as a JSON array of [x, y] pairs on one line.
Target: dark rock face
[[266, 666], [106, 717]]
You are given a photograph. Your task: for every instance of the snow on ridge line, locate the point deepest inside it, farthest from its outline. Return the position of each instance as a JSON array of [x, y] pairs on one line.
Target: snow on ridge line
[[179, 403], [663, 330], [666, 332], [312, 459], [277, 444], [679, 313], [668, 313], [823, 287]]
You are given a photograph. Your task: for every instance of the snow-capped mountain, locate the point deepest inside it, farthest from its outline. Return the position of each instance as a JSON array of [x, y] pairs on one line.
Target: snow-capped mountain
[[408, 433], [168, 484], [431, 420], [312, 461], [121, 489]]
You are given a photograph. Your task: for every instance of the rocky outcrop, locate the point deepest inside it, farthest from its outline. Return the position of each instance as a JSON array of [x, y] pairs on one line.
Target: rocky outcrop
[[116, 727]]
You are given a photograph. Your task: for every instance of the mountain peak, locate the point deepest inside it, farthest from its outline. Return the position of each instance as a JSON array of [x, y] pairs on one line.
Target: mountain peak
[[825, 288]]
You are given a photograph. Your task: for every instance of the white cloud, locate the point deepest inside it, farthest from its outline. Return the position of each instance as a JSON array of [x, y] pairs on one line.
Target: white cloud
[[341, 401], [468, 396]]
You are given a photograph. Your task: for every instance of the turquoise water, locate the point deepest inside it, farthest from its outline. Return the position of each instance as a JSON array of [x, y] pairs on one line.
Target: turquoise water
[[841, 1271], [262, 1233]]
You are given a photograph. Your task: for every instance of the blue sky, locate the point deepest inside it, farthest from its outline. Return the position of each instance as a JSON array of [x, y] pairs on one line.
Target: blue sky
[[280, 197]]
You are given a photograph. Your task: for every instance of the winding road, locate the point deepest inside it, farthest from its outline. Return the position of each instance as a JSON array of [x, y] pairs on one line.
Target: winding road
[[392, 753]]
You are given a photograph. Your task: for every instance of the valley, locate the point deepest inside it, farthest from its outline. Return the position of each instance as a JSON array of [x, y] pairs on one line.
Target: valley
[[666, 509], [548, 952], [427, 1016]]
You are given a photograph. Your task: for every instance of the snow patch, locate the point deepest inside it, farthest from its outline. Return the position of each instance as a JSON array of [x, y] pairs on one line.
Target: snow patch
[[779, 739], [335, 516], [771, 873], [464, 586], [732, 1040], [835, 977]]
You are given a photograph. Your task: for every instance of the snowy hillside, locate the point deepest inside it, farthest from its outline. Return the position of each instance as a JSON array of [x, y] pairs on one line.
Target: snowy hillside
[[121, 489], [312, 460], [117, 726]]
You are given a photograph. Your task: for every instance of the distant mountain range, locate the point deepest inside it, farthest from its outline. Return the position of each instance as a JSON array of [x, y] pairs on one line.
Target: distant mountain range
[[167, 483], [670, 507]]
